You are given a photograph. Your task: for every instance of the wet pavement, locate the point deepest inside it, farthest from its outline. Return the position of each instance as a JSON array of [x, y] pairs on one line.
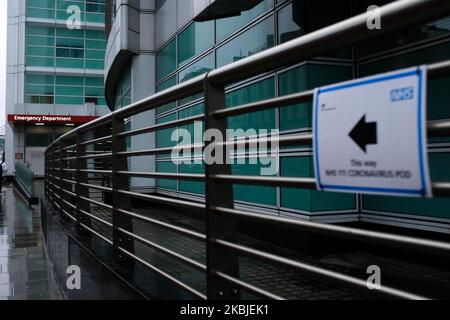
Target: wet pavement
[[431, 281], [25, 273]]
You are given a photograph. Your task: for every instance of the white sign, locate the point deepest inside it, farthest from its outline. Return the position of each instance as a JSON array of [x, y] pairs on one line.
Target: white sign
[[370, 135]]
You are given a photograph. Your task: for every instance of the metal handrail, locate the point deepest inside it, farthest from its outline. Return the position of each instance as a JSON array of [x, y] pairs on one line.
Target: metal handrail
[[219, 179]]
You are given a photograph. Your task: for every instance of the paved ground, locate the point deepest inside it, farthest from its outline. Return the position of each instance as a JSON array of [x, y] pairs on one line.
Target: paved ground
[[24, 270], [285, 282], [416, 277]]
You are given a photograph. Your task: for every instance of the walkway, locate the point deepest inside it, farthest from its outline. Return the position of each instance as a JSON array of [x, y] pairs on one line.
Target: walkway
[[24, 270]]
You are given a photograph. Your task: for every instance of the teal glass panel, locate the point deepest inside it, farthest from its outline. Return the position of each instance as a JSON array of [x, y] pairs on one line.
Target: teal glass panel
[[163, 86], [70, 33], [404, 37], [166, 60], [95, 44], [192, 186], [70, 42], [64, 4], [166, 167], [252, 41], [69, 100], [49, 4], [163, 137], [95, 17], [261, 90], [93, 81], [70, 53], [304, 78], [63, 15], [40, 31], [196, 136], [438, 95], [69, 80], [39, 89], [123, 90], [40, 13], [198, 68], [256, 194], [94, 34], [195, 39], [39, 99], [94, 91], [437, 207], [298, 115], [69, 91], [69, 63], [310, 200], [40, 41], [40, 51], [302, 17], [94, 64], [189, 99], [40, 79], [294, 198], [191, 111], [95, 6], [95, 54], [41, 62], [288, 29], [225, 27]]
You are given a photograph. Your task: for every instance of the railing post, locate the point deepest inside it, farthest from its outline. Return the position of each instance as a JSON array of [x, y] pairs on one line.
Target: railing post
[[120, 201], [49, 171], [218, 194], [62, 175], [46, 168], [81, 177], [53, 171]]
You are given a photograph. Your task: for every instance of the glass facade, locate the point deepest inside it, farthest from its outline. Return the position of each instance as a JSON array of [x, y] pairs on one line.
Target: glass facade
[[65, 48], [60, 47], [200, 47], [64, 89], [89, 10], [123, 91], [193, 51]]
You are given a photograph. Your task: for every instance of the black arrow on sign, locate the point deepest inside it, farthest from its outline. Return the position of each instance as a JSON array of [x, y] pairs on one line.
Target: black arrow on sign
[[364, 133]]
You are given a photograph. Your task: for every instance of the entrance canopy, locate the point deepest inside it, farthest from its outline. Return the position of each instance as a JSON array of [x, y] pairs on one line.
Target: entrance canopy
[[225, 8]]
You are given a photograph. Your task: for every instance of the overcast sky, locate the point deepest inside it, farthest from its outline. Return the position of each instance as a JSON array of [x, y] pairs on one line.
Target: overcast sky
[[3, 24]]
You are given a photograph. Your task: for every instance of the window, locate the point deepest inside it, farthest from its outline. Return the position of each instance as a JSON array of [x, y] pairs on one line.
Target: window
[[225, 27], [166, 60], [288, 25], [200, 67], [195, 39], [123, 91], [91, 10], [257, 39], [61, 47], [49, 89]]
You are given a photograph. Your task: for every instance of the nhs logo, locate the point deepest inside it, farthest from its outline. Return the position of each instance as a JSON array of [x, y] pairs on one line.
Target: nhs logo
[[402, 94]]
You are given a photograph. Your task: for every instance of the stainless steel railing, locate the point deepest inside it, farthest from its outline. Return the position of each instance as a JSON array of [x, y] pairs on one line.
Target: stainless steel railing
[[71, 166]]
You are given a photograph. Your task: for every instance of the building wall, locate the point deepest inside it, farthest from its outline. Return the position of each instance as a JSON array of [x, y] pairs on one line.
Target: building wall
[[53, 67], [185, 49]]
